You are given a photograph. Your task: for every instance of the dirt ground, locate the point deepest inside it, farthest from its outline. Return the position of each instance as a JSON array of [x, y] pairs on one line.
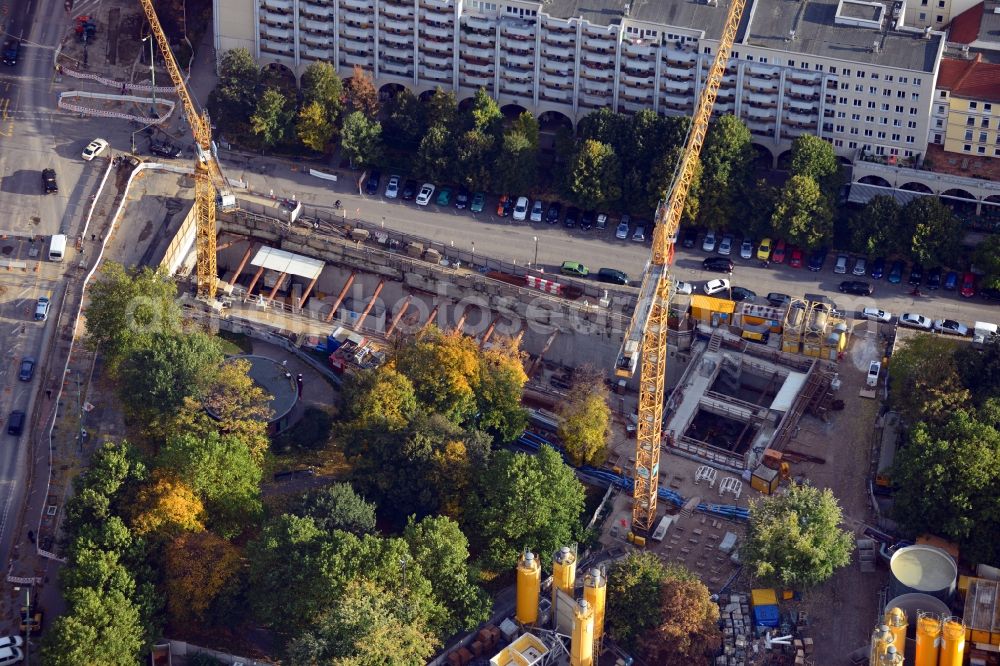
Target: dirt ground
[[840, 613]]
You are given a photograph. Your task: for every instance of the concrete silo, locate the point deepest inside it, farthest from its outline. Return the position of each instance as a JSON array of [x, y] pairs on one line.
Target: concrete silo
[[582, 644], [952, 642], [529, 586], [928, 632]]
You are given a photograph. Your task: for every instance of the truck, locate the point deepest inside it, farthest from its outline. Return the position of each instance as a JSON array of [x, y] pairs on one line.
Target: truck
[[350, 351]]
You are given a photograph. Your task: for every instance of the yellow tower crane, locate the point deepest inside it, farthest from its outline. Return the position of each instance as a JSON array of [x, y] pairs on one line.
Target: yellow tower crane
[[646, 336], [207, 175]]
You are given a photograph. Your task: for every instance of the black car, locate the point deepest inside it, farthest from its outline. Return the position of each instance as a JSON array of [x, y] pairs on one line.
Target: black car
[[372, 183], [916, 275], [855, 287], [690, 237], [990, 294], [553, 213], [587, 220], [742, 294], [409, 190], [508, 206], [878, 268], [10, 51], [164, 148], [49, 185], [462, 199], [571, 217], [777, 299], [717, 265], [934, 278], [816, 259], [27, 369], [612, 276]]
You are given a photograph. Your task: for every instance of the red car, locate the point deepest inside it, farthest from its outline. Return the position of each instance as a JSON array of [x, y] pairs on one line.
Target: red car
[[502, 206], [968, 288], [795, 258], [778, 253]]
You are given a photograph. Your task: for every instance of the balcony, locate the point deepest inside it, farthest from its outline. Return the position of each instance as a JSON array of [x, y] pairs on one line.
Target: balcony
[[761, 128], [754, 113], [517, 61], [515, 88], [762, 102], [725, 96], [396, 53], [636, 95], [800, 119], [559, 27], [802, 77], [559, 38], [476, 67], [470, 80], [679, 58], [397, 69], [309, 12], [600, 47], [595, 88], [557, 79], [769, 88], [357, 15], [598, 60], [363, 5], [557, 96], [801, 107], [315, 41], [437, 47], [435, 74], [315, 27], [723, 109], [364, 50], [435, 62], [677, 103], [277, 49], [436, 32], [397, 40], [355, 34], [352, 59], [318, 54], [592, 74], [637, 81], [802, 92], [471, 39], [320, 5], [277, 5], [638, 48], [277, 34], [436, 18], [517, 76], [677, 87], [677, 74], [558, 68], [475, 52], [564, 54], [517, 29], [401, 12], [398, 24], [594, 101], [480, 23]]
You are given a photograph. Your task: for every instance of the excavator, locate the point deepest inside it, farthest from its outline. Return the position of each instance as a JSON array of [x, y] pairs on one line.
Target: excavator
[[645, 343], [208, 179]]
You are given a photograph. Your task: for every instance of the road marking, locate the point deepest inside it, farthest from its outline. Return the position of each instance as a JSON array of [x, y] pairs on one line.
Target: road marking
[[4, 118]]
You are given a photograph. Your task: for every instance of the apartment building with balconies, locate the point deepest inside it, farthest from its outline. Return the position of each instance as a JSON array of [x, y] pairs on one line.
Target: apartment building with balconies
[[850, 71]]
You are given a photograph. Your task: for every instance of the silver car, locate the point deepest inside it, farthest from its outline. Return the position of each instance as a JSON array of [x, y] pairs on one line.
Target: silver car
[[860, 266], [914, 320], [536, 211], [392, 187], [841, 266], [726, 246]]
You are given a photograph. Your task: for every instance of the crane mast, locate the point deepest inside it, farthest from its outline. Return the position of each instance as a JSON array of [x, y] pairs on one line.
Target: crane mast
[[646, 336], [207, 175]]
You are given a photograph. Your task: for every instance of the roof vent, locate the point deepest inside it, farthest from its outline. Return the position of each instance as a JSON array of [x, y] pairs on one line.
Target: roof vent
[[927, 32], [627, 8], [875, 47]]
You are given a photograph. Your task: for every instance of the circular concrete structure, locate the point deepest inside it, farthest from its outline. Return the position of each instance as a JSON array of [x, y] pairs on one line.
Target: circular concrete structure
[[914, 602], [275, 380], [923, 569]]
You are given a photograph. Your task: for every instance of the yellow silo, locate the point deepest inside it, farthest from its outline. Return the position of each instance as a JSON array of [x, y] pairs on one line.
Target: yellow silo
[[595, 590], [891, 657], [952, 642], [881, 640], [529, 586], [582, 648], [928, 633], [563, 572], [895, 619]]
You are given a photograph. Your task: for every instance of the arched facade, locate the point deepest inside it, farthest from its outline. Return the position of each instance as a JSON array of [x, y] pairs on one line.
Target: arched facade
[[875, 180], [784, 160], [916, 187]]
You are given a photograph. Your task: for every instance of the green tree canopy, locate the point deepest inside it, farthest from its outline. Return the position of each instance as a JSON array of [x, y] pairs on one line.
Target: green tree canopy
[[633, 598], [127, 308], [726, 161], [595, 175], [321, 85], [795, 539], [802, 213], [987, 259], [99, 628], [443, 368], [442, 552], [524, 501], [233, 100], [338, 507], [814, 157], [485, 115], [948, 481], [361, 139], [404, 123], [925, 382], [687, 633], [877, 227], [272, 117], [937, 233], [474, 159], [516, 167], [979, 368], [435, 153], [383, 398], [313, 127], [585, 424], [155, 378], [222, 470]]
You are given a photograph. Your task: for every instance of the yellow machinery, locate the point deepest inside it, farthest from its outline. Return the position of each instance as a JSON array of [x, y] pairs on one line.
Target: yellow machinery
[[882, 639], [581, 650], [595, 591], [896, 620], [952, 642], [928, 634], [529, 584], [647, 332], [207, 176]]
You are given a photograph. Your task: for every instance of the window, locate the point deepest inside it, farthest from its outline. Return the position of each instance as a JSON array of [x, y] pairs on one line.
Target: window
[[911, 124], [987, 107], [845, 86], [818, 67], [939, 123], [859, 87], [895, 137], [899, 109], [872, 90], [791, 63], [996, 153], [764, 60], [855, 116], [900, 94], [937, 138], [749, 57], [896, 122], [982, 137], [833, 70], [871, 105], [913, 110], [857, 102], [981, 150], [940, 4], [841, 114], [914, 97], [940, 108], [854, 130], [886, 92], [939, 19], [923, 16], [868, 132], [967, 148], [861, 74], [970, 121], [888, 77], [874, 76], [883, 121], [916, 81], [973, 105], [840, 129], [985, 123], [903, 79], [707, 50], [838, 143], [847, 72], [854, 144], [968, 135], [885, 107], [843, 100], [881, 135], [944, 94]]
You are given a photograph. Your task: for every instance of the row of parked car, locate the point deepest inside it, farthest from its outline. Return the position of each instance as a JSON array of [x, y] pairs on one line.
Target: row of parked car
[[519, 208], [778, 252]]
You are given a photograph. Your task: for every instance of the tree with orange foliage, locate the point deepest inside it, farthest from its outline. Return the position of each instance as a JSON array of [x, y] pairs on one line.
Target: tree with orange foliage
[[687, 633], [444, 369], [197, 566], [168, 506], [362, 93]]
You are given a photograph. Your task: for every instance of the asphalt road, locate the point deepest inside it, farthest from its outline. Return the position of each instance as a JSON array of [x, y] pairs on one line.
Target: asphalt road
[[502, 238]]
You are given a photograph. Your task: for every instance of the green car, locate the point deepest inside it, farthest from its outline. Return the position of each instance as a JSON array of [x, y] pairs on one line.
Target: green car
[[574, 268], [444, 196], [478, 202]]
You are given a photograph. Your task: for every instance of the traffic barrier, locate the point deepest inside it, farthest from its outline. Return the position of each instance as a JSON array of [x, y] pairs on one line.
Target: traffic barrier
[[548, 286]]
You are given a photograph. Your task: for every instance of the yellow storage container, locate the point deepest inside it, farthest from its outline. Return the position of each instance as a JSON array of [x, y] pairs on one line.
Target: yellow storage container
[[765, 480], [995, 639], [764, 596], [963, 584], [981, 636]]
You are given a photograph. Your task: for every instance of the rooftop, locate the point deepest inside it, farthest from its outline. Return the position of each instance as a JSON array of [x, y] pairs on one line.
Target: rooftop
[[807, 26], [964, 28], [970, 79]]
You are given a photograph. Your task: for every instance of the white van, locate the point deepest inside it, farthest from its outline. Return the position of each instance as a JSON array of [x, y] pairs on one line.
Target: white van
[[57, 248], [874, 368], [984, 332]]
